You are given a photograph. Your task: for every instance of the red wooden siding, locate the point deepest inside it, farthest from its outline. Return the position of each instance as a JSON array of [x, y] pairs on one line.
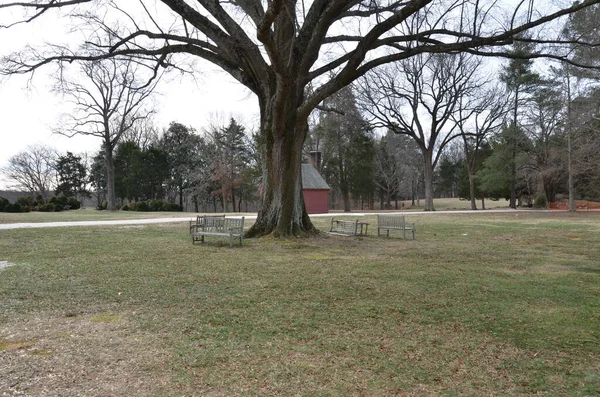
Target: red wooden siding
[[316, 200]]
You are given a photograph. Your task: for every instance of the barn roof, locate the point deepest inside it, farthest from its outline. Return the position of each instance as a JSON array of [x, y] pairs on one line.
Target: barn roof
[[311, 179]]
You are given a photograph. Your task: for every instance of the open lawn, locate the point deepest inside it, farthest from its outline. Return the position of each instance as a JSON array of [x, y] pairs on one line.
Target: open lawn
[[479, 305]]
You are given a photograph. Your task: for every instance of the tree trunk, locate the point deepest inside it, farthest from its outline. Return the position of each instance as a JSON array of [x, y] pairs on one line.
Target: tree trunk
[[570, 182], [110, 178], [282, 211], [232, 200], [472, 190], [513, 155], [482, 202], [345, 196], [428, 171], [180, 188], [549, 190]]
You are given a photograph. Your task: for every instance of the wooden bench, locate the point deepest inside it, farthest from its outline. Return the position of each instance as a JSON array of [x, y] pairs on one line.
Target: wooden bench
[[219, 225], [348, 228], [394, 222]]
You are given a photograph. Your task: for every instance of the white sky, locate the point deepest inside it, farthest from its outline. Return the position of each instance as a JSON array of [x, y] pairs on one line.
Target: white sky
[[29, 111], [27, 115]]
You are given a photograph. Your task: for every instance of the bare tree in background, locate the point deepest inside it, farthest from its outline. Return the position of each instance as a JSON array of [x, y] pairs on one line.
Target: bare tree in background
[[32, 170], [109, 99], [291, 55], [479, 114], [418, 97], [144, 133]]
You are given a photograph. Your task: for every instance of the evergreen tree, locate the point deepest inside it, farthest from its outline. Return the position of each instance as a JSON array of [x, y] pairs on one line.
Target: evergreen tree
[[520, 80], [182, 147], [346, 137], [128, 169], [231, 159], [72, 176], [98, 176]]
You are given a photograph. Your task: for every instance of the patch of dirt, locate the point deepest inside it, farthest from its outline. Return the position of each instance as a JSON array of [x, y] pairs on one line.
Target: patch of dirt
[[81, 356], [5, 264]]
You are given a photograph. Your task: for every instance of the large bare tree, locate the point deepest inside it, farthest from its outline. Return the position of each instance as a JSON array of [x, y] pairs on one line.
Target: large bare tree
[[108, 99], [291, 55], [479, 114], [419, 97], [32, 170]]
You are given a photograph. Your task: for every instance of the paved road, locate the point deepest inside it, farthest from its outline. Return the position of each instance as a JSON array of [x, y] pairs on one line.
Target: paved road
[[9, 226]]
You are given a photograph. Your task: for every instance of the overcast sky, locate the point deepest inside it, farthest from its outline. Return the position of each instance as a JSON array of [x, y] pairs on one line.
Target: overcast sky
[[28, 111]]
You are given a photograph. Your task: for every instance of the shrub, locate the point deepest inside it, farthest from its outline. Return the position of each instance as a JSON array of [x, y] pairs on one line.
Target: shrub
[[173, 207], [73, 203], [142, 206], [62, 200], [125, 208], [58, 207], [540, 202], [39, 200], [46, 208], [25, 201], [153, 205], [156, 205], [16, 207], [3, 203]]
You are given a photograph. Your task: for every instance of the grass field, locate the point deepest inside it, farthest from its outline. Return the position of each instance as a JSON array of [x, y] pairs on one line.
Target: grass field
[[479, 305]]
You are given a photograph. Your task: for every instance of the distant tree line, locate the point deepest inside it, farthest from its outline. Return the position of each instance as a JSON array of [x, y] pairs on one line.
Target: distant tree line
[[213, 171]]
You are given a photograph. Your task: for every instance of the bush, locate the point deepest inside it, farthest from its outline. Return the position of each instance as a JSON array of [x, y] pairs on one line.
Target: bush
[[142, 206], [73, 203], [39, 200], [3, 203], [173, 207], [46, 208], [62, 200], [125, 208], [156, 205], [14, 208], [152, 205], [58, 207], [540, 202], [25, 201]]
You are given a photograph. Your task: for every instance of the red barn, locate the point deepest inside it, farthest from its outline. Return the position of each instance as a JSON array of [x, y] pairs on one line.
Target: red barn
[[314, 190]]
